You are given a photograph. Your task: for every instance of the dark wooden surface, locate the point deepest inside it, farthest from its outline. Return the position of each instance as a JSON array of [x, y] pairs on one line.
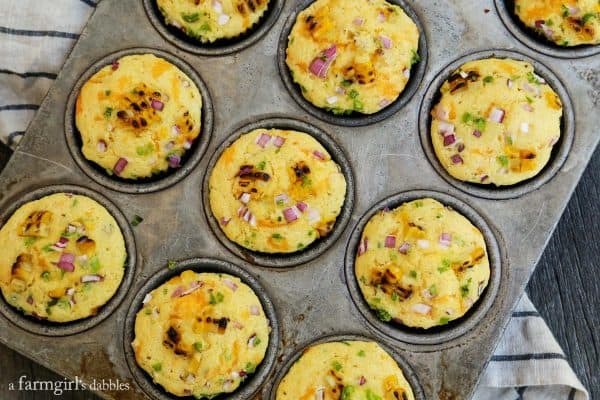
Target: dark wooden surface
[[565, 288]]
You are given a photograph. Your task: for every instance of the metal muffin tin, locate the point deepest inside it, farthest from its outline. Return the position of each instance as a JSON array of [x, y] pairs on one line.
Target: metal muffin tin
[[312, 296]]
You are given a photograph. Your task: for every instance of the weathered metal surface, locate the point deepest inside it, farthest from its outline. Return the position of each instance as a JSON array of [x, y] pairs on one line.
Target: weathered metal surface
[[388, 157]]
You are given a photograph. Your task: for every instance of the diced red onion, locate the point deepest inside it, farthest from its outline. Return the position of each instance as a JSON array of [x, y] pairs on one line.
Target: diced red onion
[[217, 6], [254, 310], [362, 381], [573, 10], [120, 165], [319, 155], [227, 385], [230, 284], [278, 141], [321, 63], [509, 83], [539, 78], [251, 340], [449, 311], [252, 220], [358, 21], [82, 259], [483, 178], [29, 300], [62, 242], [174, 161], [363, 247], [175, 130], [331, 52], [524, 127], [169, 145], [101, 146], [290, 214], [539, 23], [340, 90], [553, 141], [548, 32], [456, 159], [332, 100], [263, 140], [313, 216], [445, 239], [157, 105], [67, 257], [245, 198], [224, 221], [223, 19], [527, 107], [193, 287], [115, 65], [442, 114], [91, 278], [147, 298], [390, 241], [448, 140], [247, 215], [241, 211], [463, 74], [71, 228], [477, 133], [236, 325], [188, 144], [386, 42], [421, 308], [533, 90], [177, 292], [319, 67], [384, 103], [426, 294], [497, 115], [381, 17], [445, 128], [406, 73], [302, 206], [404, 247]]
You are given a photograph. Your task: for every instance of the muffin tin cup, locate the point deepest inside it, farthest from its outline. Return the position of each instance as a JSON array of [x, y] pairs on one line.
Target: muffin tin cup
[[48, 328], [530, 38], [319, 246], [414, 83], [143, 185], [252, 384], [561, 149], [407, 370], [434, 337], [220, 47]]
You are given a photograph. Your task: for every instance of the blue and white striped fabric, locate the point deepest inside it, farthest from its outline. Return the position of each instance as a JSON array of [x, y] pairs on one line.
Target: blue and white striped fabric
[[36, 37]]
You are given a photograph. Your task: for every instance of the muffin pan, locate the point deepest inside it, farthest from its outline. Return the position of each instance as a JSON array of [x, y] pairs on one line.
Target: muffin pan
[[312, 294]]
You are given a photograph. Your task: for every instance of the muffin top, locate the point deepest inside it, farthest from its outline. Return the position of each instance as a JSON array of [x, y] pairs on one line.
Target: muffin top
[[496, 122], [276, 191], [352, 56], [201, 334], [345, 370], [62, 258], [211, 20], [138, 116], [563, 22], [421, 264]]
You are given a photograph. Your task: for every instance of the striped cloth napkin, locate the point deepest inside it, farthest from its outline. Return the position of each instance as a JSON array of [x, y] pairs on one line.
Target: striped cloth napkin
[[528, 362]]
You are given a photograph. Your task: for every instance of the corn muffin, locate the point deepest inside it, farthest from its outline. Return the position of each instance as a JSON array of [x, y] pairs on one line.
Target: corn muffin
[[345, 370], [563, 22], [276, 191], [496, 122], [201, 334], [210, 20], [352, 56], [62, 258], [421, 264], [138, 116]]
